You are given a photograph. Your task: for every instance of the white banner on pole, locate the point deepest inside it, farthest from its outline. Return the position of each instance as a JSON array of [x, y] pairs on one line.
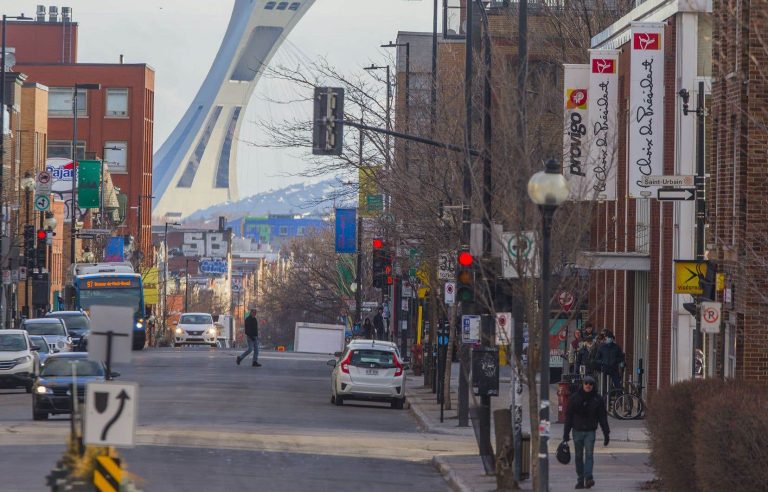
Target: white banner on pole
[[576, 142], [646, 107], [603, 123]]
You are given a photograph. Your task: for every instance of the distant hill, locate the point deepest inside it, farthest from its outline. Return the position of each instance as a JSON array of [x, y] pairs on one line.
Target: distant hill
[[298, 199]]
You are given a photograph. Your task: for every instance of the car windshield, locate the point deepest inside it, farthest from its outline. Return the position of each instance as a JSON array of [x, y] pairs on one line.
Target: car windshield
[[196, 319], [40, 343], [64, 367], [12, 343], [45, 329], [77, 322], [373, 358]]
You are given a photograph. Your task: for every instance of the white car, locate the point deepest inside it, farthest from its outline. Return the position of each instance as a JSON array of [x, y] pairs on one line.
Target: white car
[[19, 362], [368, 370], [53, 330], [195, 328]]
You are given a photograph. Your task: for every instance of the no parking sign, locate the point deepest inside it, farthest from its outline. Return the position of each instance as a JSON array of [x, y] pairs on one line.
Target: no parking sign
[[710, 317]]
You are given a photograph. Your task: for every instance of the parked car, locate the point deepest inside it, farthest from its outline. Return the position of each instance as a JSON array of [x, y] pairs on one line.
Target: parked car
[[51, 393], [19, 362], [53, 330], [195, 328], [43, 349], [368, 370], [78, 326]]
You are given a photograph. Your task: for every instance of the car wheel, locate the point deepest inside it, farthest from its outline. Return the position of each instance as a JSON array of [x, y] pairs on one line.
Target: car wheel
[[339, 401], [397, 404], [39, 415], [333, 399]]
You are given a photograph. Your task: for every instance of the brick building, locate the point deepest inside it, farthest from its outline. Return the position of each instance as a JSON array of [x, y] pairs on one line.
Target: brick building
[[115, 123], [737, 205], [634, 240]]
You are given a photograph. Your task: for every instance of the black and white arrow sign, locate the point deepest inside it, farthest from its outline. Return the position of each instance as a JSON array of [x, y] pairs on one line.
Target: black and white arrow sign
[[110, 413], [676, 194]]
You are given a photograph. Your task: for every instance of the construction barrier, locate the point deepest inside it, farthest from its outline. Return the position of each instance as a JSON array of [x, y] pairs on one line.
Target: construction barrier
[[108, 475]]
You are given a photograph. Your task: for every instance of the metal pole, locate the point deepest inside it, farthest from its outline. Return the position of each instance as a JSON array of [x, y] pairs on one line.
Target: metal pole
[[463, 396], [138, 233], [165, 280], [487, 134], [407, 101], [3, 218], [701, 211], [433, 88], [359, 265], [389, 116], [101, 194], [186, 285], [26, 280], [73, 205], [546, 213]]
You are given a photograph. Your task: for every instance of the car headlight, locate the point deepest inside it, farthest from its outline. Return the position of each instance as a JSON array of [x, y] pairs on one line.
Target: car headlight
[[211, 331], [22, 360], [42, 390], [61, 344], [179, 331], [139, 324]]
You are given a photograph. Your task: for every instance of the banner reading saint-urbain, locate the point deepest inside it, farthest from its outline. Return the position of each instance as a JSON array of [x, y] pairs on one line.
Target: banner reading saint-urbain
[[603, 122], [575, 141], [646, 107]]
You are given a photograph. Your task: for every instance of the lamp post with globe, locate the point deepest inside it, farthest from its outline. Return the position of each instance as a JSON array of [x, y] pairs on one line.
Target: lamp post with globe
[[548, 189]]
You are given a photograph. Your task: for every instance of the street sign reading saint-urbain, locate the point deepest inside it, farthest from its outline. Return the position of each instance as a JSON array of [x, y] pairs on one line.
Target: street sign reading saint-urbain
[[671, 180], [676, 194]]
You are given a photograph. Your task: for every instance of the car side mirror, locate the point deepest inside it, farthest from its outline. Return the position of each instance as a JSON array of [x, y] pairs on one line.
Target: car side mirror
[[331, 363], [337, 354], [34, 348], [114, 374]]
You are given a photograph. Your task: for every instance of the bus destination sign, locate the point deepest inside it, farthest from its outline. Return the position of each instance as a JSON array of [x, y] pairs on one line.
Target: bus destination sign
[[111, 283]]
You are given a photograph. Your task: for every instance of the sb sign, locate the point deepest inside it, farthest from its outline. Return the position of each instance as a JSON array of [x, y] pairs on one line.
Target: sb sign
[[687, 274]]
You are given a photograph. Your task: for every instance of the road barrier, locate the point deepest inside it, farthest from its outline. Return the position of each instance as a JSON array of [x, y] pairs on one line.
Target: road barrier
[[107, 476]]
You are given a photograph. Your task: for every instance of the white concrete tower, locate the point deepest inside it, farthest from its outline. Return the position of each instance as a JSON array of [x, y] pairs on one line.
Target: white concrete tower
[[196, 167]]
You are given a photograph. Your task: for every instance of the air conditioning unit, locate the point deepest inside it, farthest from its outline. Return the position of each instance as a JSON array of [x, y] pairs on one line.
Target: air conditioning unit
[[66, 14], [41, 11], [53, 13]]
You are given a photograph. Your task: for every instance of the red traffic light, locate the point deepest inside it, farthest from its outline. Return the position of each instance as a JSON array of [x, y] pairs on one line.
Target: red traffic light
[[41, 234], [465, 258], [378, 243]]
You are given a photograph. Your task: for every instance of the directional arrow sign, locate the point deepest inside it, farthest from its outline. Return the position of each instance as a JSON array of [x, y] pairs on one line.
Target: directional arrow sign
[[42, 203], [676, 194], [110, 413]]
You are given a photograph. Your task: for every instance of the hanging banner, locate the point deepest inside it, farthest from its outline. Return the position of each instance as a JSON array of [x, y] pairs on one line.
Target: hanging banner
[[575, 141], [646, 107], [346, 230], [603, 123]]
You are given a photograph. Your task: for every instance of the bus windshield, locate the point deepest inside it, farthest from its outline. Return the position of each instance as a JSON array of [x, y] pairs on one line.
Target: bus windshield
[[111, 297]]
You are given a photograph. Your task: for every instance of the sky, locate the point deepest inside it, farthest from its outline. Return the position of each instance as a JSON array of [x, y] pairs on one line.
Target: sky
[[179, 39]]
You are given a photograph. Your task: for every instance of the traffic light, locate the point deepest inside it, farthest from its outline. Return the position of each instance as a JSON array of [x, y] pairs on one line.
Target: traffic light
[[29, 245], [379, 258], [465, 277], [708, 283], [328, 114]]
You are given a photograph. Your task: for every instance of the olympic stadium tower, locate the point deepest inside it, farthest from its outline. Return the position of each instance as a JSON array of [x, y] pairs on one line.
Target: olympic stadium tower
[[196, 167]]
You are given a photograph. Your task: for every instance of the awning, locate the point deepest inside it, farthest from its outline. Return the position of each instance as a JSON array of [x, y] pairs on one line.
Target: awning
[[606, 260]]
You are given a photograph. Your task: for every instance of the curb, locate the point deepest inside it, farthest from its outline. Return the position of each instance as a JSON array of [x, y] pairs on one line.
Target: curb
[[426, 424], [455, 482]]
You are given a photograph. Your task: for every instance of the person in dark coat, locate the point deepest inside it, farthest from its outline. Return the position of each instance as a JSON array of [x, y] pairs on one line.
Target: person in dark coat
[[378, 323], [586, 409], [610, 358], [252, 335], [368, 329]]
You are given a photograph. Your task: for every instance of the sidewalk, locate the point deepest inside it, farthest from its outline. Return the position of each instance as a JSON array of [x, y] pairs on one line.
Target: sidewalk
[[619, 467]]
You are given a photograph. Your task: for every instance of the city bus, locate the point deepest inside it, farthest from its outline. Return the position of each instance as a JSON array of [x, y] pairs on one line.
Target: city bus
[[111, 284]]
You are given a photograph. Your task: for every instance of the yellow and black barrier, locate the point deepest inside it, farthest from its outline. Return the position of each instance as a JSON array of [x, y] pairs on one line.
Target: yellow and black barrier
[[107, 476]]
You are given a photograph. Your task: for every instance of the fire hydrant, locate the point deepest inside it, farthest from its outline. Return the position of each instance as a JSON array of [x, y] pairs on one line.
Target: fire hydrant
[[562, 401]]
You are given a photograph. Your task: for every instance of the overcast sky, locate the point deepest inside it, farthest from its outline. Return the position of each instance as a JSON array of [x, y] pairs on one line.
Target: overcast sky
[[179, 39]]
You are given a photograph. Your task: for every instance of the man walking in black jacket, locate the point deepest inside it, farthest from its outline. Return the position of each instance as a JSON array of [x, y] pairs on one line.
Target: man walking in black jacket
[[586, 409], [252, 335]]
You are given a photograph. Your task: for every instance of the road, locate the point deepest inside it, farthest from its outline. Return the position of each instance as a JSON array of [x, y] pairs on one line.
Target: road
[[207, 424]]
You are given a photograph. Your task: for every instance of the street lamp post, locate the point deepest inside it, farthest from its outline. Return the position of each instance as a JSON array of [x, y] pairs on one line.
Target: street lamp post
[[73, 205], [50, 225], [547, 189], [186, 284]]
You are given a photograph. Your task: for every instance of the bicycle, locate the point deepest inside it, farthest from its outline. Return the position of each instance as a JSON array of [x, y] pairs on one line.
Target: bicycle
[[630, 404]]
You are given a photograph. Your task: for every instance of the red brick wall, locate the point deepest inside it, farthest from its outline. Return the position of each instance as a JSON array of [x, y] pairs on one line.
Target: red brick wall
[[43, 42]]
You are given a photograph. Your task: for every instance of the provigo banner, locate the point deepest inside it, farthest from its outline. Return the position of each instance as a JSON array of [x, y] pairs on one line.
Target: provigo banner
[[603, 123], [575, 141], [646, 107]]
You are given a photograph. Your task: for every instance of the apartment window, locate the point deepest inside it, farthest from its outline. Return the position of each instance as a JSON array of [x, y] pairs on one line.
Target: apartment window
[[63, 149], [282, 5], [60, 102], [283, 231], [117, 103], [116, 156], [300, 231], [270, 5], [294, 6]]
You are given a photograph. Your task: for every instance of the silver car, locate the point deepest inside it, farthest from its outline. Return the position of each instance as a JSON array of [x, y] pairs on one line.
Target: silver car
[[53, 331], [368, 370]]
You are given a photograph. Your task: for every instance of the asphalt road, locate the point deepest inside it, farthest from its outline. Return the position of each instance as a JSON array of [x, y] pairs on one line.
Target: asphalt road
[[207, 424]]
